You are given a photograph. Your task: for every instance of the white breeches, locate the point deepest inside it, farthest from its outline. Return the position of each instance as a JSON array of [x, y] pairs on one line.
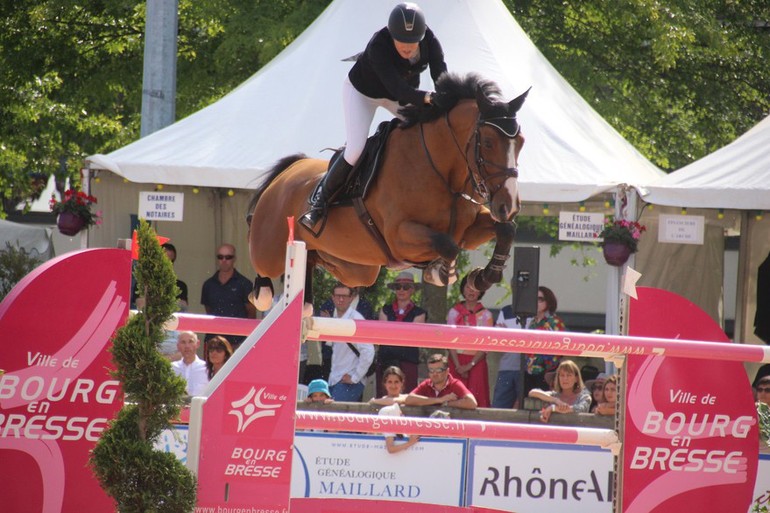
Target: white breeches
[[359, 113]]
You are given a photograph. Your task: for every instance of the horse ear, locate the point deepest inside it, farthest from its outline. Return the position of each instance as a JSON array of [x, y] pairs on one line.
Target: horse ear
[[515, 104], [482, 100]]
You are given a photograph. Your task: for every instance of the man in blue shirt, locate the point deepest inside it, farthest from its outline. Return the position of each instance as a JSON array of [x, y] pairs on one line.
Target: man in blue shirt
[[226, 293]]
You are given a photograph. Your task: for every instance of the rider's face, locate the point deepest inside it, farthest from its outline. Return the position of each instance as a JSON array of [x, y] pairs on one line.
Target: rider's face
[[406, 50]]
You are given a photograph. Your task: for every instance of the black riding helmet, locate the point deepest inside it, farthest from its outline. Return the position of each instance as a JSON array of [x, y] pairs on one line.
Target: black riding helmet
[[407, 23]]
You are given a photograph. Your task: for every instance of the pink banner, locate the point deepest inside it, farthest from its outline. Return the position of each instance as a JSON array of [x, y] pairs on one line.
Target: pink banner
[[247, 427], [56, 396], [691, 437]]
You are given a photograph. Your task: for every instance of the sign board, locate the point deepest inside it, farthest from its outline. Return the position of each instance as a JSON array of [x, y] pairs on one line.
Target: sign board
[[359, 467], [580, 226], [247, 421], [57, 395], [525, 477], [681, 229], [161, 206], [691, 438]]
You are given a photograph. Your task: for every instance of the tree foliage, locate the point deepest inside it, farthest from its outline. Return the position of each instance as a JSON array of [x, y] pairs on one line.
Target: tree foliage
[[677, 79], [15, 264], [71, 75], [140, 478]]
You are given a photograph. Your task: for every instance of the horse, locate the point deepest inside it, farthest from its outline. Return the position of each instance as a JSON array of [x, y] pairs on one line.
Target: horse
[[448, 181]]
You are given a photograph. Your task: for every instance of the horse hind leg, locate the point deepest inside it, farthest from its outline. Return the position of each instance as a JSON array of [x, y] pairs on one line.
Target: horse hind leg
[[443, 270], [483, 279], [262, 294]]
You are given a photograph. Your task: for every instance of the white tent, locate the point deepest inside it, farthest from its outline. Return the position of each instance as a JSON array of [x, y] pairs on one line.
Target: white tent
[[35, 240], [294, 105], [736, 176]]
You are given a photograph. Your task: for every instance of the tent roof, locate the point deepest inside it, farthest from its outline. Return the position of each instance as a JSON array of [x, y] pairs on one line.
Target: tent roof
[[294, 105], [736, 176]]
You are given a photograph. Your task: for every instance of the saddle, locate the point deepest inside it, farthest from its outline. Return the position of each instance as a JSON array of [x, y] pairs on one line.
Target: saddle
[[363, 174]]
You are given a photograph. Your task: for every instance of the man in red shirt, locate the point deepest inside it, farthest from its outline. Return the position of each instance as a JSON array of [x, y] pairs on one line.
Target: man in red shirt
[[441, 388]]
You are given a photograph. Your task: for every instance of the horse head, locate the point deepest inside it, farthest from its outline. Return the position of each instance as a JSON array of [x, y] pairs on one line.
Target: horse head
[[496, 148]]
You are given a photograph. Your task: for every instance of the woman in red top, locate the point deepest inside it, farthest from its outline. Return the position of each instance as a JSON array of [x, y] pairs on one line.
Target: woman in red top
[[471, 366]]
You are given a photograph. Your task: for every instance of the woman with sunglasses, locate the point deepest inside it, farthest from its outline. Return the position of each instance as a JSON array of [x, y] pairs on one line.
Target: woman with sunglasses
[[545, 319], [219, 351], [402, 309]]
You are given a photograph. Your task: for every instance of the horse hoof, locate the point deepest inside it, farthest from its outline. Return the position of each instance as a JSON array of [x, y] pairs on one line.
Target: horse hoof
[[432, 275], [264, 301], [477, 281]]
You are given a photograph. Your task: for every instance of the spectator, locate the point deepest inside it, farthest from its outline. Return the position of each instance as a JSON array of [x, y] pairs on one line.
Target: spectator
[[393, 382], [219, 352], [402, 309], [226, 293], [318, 392], [763, 390], [441, 388], [569, 394], [595, 387], [610, 392], [470, 366], [350, 362], [190, 367], [507, 387], [394, 410], [545, 319], [319, 365]]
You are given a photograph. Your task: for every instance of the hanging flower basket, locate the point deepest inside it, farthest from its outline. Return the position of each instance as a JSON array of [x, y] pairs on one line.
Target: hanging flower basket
[[620, 240], [615, 253], [74, 212], [69, 223]]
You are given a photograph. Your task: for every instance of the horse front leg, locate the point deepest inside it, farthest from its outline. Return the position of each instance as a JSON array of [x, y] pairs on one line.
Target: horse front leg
[[483, 279]]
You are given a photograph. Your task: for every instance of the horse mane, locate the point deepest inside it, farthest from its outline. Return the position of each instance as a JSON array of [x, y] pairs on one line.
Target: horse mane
[[276, 170], [453, 87]]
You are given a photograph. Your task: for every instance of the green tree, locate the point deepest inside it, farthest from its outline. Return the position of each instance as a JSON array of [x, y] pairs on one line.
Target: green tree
[[140, 478], [71, 75], [677, 79]]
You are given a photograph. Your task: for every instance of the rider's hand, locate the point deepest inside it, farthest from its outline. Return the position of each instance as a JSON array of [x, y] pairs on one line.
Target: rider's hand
[[440, 100]]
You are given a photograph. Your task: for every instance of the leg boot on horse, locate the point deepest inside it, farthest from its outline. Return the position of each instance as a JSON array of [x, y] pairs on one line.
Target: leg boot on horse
[[335, 178]]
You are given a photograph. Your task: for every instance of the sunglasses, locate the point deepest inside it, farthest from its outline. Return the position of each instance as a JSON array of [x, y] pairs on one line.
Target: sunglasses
[[436, 371], [540, 298], [341, 296], [217, 348], [401, 286], [763, 389], [225, 257]]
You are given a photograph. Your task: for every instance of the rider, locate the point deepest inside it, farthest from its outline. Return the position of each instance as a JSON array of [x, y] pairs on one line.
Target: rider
[[386, 74]]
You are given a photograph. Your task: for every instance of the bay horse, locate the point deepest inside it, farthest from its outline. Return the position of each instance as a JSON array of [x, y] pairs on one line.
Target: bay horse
[[448, 181]]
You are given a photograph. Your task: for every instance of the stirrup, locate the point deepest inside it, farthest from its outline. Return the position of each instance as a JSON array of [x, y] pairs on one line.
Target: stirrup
[[311, 218]]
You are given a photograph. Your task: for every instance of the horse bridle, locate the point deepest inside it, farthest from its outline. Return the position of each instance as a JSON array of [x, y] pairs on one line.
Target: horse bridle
[[480, 177], [480, 184]]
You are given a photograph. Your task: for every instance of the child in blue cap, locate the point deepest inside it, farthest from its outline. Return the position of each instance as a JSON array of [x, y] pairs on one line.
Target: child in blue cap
[[318, 392]]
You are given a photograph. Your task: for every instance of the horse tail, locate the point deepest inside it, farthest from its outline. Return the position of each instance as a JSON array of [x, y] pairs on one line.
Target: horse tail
[[278, 168]]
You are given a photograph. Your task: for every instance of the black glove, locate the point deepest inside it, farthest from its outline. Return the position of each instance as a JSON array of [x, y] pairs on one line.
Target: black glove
[[440, 100]]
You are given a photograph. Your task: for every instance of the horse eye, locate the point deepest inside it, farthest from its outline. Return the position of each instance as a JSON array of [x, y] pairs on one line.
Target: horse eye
[[489, 143]]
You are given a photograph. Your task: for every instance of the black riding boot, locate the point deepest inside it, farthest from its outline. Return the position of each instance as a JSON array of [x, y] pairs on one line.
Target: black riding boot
[[335, 178]]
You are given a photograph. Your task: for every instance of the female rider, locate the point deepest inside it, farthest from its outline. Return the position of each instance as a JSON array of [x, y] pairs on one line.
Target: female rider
[[386, 74]]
